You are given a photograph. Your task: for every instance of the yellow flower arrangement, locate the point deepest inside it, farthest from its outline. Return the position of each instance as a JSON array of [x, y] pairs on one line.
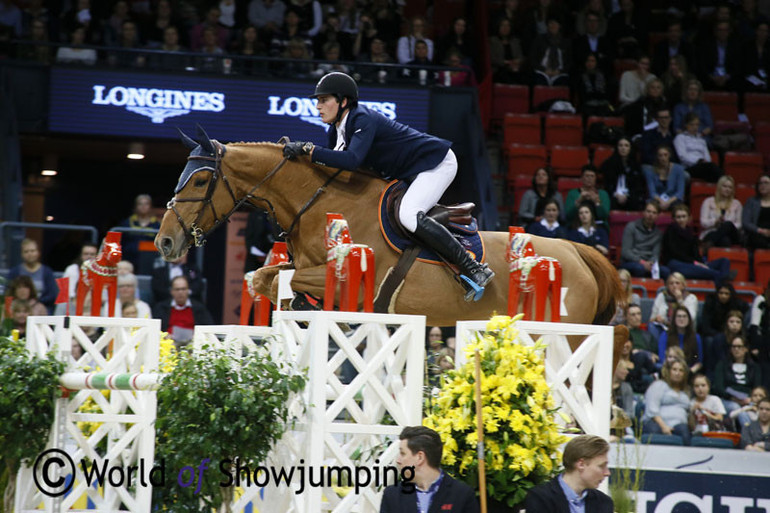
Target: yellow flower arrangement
[[521, 437]]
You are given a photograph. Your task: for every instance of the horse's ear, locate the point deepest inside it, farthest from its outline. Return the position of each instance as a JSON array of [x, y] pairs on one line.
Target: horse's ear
[[186, 140], [203, 137]]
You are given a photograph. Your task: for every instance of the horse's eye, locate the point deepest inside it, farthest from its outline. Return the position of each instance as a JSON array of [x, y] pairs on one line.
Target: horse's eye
[[200, 182]]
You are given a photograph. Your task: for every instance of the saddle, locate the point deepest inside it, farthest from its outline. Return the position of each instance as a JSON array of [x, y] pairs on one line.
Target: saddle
[[458, 220], [459, 213]]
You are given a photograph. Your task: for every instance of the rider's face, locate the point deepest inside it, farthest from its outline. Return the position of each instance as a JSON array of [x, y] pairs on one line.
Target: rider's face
[[327, 108]]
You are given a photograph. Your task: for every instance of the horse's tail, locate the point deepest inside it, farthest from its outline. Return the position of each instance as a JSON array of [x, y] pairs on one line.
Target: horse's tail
[[607, 282]]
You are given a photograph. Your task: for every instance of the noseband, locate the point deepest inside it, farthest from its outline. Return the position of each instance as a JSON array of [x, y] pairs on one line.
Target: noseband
[[194, 234]]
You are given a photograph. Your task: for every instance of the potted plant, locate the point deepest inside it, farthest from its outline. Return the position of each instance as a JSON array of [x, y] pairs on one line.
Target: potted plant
[[30, 387], [218, 406], [520, 435]]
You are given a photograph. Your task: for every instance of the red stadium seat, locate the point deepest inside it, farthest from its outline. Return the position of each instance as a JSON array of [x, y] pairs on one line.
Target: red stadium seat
[[738, 257], [743, 192], [521, 129], [521, 184], [601, 153], [525, 159], [651, 285], [563, 130], [745, 168], [568, 160], [701, 288], [618, 221], [748, 289], [762, 140], [607, 120], [509, 98], [542, 94], [623, 65], [762, 266], [699, 191], [564, 185], [756, 106], [723, 105]]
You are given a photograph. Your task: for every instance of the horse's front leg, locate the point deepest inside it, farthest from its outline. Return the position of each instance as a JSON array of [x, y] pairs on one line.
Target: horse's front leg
[[309, 279], [265, 280]]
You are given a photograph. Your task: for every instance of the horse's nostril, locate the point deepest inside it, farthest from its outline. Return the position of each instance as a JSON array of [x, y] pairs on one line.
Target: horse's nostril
[[166, 244]]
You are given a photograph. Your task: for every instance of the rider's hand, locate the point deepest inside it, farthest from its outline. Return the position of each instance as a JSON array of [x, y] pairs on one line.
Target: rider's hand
[[294, 149]]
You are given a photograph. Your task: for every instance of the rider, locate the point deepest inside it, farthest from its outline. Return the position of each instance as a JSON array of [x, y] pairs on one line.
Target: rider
[[361, 137]]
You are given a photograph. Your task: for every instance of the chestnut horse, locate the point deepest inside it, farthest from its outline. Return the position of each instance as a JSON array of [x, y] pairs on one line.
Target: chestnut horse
[[219, 178]]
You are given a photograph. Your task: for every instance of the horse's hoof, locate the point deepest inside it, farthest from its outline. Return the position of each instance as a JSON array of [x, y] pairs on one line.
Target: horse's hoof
[[303, 301]]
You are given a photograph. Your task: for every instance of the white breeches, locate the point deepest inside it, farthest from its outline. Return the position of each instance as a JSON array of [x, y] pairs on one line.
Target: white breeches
[[426, 190]]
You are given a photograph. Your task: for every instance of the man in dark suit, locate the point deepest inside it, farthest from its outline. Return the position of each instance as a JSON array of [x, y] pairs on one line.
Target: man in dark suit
[[674, 44], [720, 60], [593, 42], [585, 467], [430, 490], [360, 137]]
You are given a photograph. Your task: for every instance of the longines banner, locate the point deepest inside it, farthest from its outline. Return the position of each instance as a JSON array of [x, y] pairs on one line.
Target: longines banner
[[230, 108]]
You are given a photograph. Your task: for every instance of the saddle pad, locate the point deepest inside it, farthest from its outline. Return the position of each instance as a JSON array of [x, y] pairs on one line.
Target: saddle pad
[[468, 235]]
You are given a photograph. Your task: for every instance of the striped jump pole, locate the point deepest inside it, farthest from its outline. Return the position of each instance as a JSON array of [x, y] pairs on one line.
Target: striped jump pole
[[109, 381]]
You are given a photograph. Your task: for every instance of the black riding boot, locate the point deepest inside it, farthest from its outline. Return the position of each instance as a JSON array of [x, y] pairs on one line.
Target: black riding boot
[[437, 238]]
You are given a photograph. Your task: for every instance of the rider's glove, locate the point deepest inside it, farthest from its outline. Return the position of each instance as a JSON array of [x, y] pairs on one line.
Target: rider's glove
[[294, 149]]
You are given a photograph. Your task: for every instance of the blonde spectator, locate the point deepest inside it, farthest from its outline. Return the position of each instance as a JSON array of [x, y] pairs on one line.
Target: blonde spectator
[[676, 294], [720, 216]]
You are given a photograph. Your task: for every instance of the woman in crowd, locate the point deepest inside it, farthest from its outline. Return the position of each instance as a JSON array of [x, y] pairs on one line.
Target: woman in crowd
[[693, 151], [676, 78], [756, 215], [665, 179], [641, 368], [505, 55], [593, 89], [736, 376], [676, 294], [23, 288], [630, 297], [549, 225], [692, 102], [533, 201], [667, 402], [716, 326], [682, 334], [586, 232], [720, 216], [680, 251], [623, 178]]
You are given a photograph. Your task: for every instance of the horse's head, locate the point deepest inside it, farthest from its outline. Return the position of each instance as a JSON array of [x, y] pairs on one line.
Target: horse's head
[[198, 202], [111, 252]]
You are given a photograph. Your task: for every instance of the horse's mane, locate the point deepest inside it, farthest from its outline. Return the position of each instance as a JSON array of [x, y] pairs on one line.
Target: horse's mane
[[257, 143]]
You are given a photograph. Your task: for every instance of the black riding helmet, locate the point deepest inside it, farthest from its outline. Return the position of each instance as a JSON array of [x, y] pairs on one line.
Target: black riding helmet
[[339, 85]]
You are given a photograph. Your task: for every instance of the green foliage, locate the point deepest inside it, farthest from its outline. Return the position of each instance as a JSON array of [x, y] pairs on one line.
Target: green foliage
[[28, 390], [213, 405], [625, 482]]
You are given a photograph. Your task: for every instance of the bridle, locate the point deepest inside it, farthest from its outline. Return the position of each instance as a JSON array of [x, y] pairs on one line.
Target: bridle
[[194, 234]]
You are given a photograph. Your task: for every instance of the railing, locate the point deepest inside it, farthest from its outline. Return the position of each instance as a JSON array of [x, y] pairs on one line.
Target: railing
[[7, 260], [224, 63]]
